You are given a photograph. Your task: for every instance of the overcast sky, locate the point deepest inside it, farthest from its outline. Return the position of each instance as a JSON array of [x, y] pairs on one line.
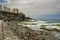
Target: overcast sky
[[35, 8]]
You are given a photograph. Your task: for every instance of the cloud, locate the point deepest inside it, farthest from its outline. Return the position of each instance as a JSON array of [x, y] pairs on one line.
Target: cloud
[[34, 8]]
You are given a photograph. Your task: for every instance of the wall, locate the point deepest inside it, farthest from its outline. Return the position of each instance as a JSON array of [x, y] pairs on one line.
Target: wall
[[0, 7], [6, 9], [3, 8]]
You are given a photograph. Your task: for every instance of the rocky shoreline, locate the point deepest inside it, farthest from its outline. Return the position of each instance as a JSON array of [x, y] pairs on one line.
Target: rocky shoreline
[[24, 33]]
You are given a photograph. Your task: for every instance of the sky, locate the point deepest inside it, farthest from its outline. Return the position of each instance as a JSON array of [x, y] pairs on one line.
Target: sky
[[39, 9]]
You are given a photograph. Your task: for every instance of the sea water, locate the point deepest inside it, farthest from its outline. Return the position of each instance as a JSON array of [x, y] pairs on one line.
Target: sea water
[[38, 24]]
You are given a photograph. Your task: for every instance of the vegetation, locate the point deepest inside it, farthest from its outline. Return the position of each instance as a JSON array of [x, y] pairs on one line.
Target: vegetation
[[43, 26], [12, 16], [22, 16], [15, 10], [56, 25]]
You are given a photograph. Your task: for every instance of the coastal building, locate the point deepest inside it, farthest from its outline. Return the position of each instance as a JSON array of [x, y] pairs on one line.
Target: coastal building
[[11, 14], [0, 7], [4, 8]]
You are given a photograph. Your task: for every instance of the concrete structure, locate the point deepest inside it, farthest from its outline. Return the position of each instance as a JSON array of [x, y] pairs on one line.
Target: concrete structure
[[6, 9], [3, 8], [0, 7]]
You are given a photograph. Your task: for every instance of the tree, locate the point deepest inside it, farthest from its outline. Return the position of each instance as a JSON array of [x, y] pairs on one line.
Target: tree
[[22, 16], [15, 10]]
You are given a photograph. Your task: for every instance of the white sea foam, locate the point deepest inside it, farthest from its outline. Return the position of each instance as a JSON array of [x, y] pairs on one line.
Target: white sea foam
[[39, 23]]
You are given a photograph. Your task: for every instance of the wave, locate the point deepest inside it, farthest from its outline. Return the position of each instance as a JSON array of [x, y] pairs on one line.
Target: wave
[[37, 25]]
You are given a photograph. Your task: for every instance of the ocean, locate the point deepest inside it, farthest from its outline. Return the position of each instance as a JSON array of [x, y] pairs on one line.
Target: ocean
[[37, 25]]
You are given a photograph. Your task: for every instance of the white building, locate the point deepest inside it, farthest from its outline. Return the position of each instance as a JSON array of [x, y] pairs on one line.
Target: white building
[[0, 7], [3, 8]]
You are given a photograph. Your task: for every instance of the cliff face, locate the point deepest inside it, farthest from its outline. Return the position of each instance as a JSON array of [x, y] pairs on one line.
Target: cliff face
[[9, 16]]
